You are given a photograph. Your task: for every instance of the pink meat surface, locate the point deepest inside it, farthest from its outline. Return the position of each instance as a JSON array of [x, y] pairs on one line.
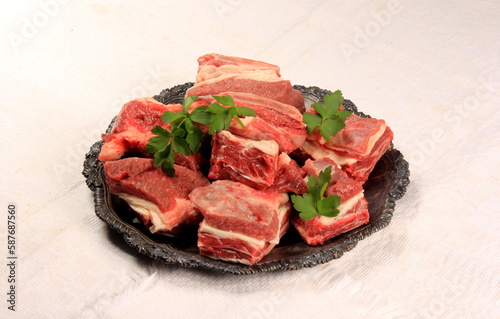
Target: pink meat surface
[[132, 131], [137, 178], [358, 136], [361, 169], [274, 121], [253, 163], [233, 206], [357, 148], [289, 177], [340, 183], [231, 249], [241, 224], [353, 206], [213, 65], [277, 89], [132, 127], [316, 231]]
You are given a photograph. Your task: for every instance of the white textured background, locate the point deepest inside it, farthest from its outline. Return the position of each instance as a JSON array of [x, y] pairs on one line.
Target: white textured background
[[429, 68]]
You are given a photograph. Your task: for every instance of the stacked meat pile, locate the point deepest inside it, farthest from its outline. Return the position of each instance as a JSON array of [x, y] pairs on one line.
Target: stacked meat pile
[[242, 207]]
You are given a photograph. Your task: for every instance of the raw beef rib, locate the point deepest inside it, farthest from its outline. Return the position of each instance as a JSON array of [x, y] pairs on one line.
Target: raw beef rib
[[132, 131], [353, 206], [274, 121], [132, 127], [357, 148], [214, 65], [218, 74], [241, 224], [253, 163], [270, 87], [160, 201]]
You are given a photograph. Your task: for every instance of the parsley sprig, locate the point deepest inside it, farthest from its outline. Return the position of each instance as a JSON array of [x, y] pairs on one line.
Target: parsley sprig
[[223, 115], [329, 120], [314, 203], [184, 136]]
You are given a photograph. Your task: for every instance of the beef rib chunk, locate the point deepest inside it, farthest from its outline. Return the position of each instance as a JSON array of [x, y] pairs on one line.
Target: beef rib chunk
[[340, 183], [274, 121], [241, 224], [357, 148], [266, 86], [253, 163], [353, 206], [218, 74], [132, 127], [214, 65], [160, 201], [132, 131]]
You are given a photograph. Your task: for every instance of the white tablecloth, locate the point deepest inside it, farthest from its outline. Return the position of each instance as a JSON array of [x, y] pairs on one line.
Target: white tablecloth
[[429, 68]]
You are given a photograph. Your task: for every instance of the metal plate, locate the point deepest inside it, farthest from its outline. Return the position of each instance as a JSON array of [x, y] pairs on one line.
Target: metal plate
[[386, 184]]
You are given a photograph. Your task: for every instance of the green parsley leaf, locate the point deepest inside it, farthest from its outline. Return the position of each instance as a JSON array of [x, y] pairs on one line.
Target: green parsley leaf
[[168, 162], [244, 111], [217, 123], [158, 130], [223, 115], [328, 206], [187, 102], [160, 155], [330, 127], [171, 117], [330, 119], [165, 159], [181, 146], [305, 205], [312, 121], [178, 132], [333, 101], [157, 143], [343, 114], [201, 115], [322, 110], [224, 100], [216, 108], [314, 203], [325, 177], [194, 138], [314, 188]]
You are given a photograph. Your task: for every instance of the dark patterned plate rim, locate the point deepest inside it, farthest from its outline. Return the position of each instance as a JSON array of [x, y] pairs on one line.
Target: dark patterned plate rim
[[386, 185]]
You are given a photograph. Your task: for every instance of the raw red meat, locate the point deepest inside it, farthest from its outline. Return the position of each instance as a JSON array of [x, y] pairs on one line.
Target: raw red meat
[[241, 224], [353, 206], [319, 229], [218, 73], [213, 65], [258, 129], [253, 163], [132, 127], [289, 177], [357, 148], [160, 201], [340, 183], [132, 131], [274, 121], [271, 88]]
